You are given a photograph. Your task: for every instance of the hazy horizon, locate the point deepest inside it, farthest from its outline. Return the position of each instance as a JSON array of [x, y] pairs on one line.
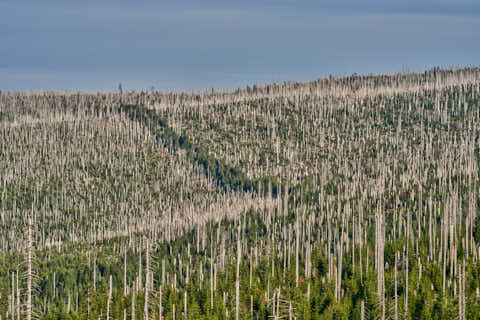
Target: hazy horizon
[[92, 46]]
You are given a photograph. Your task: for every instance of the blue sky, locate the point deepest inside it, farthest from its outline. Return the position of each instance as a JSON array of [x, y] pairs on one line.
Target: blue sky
[[191, 45]]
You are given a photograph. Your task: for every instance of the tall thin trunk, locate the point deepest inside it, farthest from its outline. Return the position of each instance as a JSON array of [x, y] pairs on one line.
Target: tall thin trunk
[[29, 272], [133, 304], [185, 304], [139, 284], [444, 250], [463, 292], [125, 274], [237, 283], [211, 283], [18, 297], [12, 309], [339, 268], [251, 306], [160, 307], [379, 252], [362, 310], [290, 311], [94, 275], [147, 282], [297, 244], [88, 303], [109, 296], [406, 283], [460, 302], [395, 294]]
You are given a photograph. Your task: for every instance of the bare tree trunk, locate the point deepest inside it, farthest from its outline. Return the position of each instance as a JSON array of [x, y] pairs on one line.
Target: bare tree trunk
[[251, 306], [460, 302], [133, 304], [12, 309], [185, 304], [94, 275], [147, 282], [379, 244], [18, 297], [88, 303], [290, 311], [160, 307], [362, 310], [109, 296], [444, 250], [297, 244], [29, 272], [125, 273], [211, 283], [406, 283], [140, 270], [463, 293], [163, 271], [274, 315], [237, 283], [395, 294], [340, 267]]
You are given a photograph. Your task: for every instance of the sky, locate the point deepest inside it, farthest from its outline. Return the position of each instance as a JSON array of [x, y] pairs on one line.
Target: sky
[[195, 45]]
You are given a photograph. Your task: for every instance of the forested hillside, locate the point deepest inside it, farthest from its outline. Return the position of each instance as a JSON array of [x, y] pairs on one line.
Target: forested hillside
[[342, 198]]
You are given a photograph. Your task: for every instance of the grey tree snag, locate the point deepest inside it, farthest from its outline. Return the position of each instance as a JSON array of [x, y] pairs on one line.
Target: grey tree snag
[[460, 300], [18, 296], [339, 266], [406, 283], [251, 306], [133, 303], [125, 273], [29, 272], [185, 304], [297, 248], [379, 255], [464, 303], [94, 275], [109, 299], [12, 308], [362, 310], [160, 305], [140, 277], [237, 282], [211, 283], [395, 293], [444, 249], [147, 281]]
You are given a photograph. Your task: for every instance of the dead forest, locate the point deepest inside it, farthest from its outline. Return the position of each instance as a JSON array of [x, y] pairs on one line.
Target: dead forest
[[342, 198]]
